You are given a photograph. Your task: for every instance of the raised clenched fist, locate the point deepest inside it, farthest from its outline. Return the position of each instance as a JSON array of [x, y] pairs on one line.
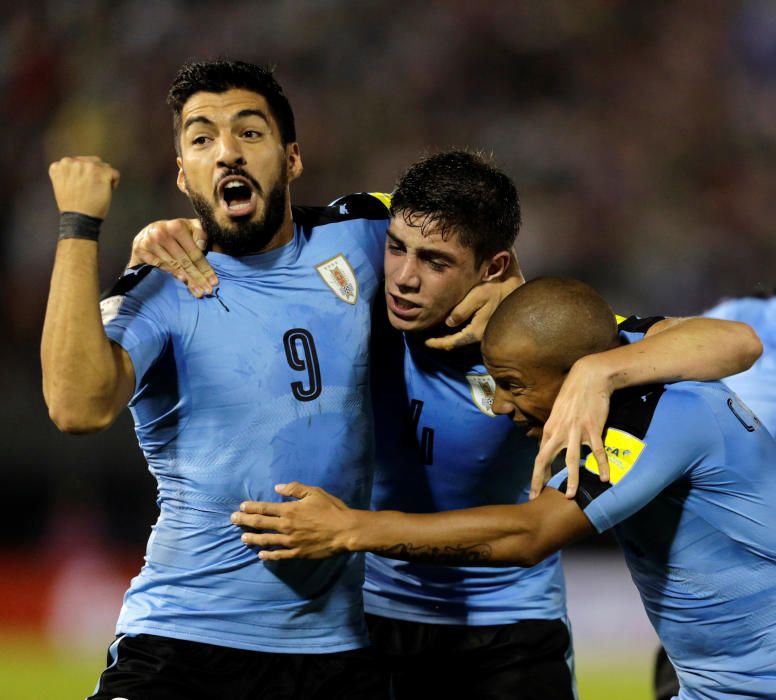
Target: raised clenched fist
[[83, 184]]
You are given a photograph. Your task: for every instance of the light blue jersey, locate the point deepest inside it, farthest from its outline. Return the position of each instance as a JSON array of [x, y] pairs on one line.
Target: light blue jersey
[[691, 503], [264, 382], [439, 447], [757, 386]]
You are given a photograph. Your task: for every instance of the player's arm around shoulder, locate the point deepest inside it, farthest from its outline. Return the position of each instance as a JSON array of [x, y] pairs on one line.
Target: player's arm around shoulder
[[717, 348], [672, 350], [87, 380], [318, 525], [176, 246]]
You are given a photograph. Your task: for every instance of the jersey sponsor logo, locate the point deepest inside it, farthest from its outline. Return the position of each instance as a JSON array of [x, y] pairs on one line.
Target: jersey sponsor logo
[[340, 278], [483, 390], [623, 451], [109, 308]]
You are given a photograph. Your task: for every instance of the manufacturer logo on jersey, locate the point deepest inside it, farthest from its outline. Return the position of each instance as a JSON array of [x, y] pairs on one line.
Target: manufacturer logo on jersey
[[483, 390], [340, 278], [109, 308], [623, 451]]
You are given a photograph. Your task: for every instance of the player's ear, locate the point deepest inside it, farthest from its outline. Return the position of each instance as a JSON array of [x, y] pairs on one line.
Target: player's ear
[[181, 181], [293, 161], [495, 267]]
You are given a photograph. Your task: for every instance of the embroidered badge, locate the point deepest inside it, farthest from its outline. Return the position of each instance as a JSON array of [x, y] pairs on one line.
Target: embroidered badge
[[340, 278], [483, 390]]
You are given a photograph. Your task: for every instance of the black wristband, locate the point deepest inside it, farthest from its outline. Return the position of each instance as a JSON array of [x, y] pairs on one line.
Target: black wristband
[[75, 225]]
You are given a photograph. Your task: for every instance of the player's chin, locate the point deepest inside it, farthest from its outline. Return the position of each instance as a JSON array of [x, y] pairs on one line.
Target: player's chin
[[237, 224]]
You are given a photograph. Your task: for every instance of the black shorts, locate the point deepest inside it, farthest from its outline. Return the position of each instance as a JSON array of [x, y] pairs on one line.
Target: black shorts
[[147, 667], [528, 660]]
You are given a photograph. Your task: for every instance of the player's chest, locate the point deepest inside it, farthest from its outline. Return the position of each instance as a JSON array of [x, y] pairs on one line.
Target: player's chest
[[441, 414], [276, 340]]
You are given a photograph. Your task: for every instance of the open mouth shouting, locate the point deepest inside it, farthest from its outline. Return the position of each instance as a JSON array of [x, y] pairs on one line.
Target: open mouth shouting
[[237, 196], [402, 307]]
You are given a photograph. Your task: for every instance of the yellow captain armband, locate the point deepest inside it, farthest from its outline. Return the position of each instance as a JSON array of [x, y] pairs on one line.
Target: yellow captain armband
[[385, 198], [623, 451]]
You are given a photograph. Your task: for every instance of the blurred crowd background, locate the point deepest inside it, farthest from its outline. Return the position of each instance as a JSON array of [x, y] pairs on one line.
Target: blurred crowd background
[[641, 135]]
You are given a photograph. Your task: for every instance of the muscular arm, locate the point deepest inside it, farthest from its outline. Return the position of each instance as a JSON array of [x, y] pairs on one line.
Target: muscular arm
[[673, 350], [87, 380], [678, 349], [319, 525]]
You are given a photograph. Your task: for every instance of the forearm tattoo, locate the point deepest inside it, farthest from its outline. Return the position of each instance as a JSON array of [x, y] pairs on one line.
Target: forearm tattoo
[[456, 555]]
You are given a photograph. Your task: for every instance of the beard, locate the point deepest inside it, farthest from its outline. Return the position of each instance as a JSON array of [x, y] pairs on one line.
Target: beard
[[243, 236]]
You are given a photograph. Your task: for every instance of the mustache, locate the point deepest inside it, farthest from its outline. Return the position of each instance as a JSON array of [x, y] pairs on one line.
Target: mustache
[[232, 172]]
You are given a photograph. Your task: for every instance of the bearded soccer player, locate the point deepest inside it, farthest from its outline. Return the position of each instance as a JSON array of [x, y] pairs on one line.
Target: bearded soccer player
[[688, 498], [439, 446], [229, 392]]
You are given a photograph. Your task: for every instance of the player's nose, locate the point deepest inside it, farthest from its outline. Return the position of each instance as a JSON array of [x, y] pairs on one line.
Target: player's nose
[[502, 406], [229, 151], [407, 274]]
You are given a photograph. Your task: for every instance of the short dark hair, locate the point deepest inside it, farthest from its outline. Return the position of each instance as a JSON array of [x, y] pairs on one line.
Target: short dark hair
[[462, 193], [223, 74]]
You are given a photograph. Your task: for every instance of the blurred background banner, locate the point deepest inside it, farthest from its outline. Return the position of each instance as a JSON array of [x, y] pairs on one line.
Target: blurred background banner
[[641, 136]]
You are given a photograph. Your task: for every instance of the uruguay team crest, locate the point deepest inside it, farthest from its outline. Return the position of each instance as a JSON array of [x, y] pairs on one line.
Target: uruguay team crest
[[483, 390], [340, 278]]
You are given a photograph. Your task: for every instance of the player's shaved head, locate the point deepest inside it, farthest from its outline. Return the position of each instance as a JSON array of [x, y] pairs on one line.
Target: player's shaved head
[[559, 320]]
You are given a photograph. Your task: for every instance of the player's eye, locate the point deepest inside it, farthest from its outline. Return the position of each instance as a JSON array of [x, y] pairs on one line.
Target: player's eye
[[437, 265], [252, 134], [199, 140], [395, 248]]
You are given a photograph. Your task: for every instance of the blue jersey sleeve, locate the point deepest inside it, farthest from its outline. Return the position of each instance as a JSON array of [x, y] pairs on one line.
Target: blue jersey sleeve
[[137, 314], [641, 469]]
